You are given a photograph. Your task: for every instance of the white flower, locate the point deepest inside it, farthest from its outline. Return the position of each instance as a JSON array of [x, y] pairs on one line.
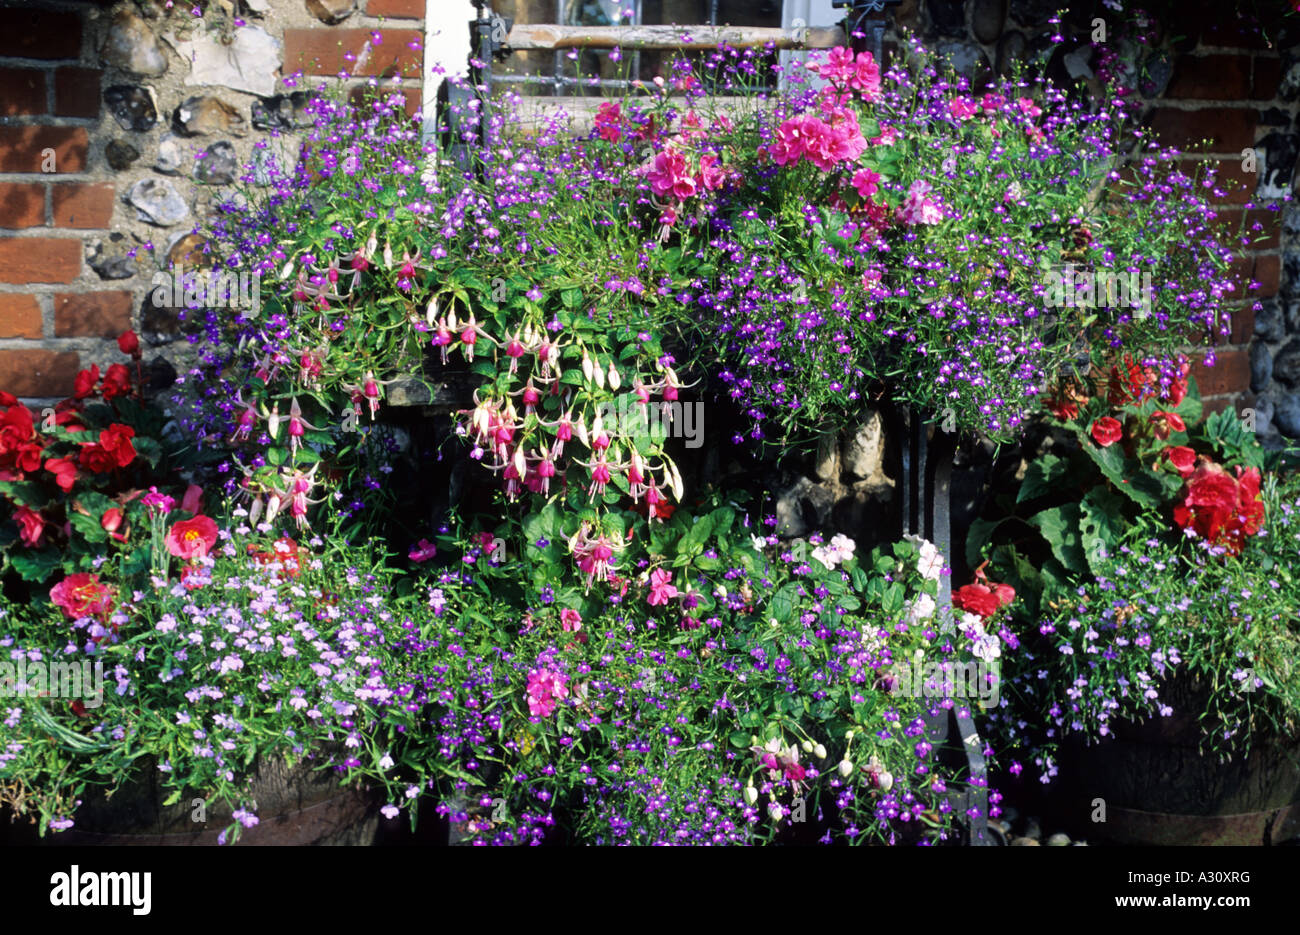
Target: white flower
[[843, 546], [758, 542], [921, 608], [930, 561], [824, 555], [973, 624], [987, 647]]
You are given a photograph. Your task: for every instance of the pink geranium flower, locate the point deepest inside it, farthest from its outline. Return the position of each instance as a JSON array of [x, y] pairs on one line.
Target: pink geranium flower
[[921, 206], [422, 551], [570, 620], [544, 690]]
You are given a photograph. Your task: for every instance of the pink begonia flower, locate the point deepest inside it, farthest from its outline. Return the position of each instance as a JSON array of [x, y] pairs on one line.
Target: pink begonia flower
[[422, 551], [920, 206], [711, 173], [570, 620], [661, 589], [544, 690]]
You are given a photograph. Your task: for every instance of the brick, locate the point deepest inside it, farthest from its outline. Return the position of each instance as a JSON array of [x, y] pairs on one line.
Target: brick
[[1229, 29], [26, 260], [1243, 324], [22, 92], [76, 92], [20, 316], [22, 204], [1230, 373], [22, 148], [1236, 185], [397, 9], [42, 34], [91, 314], [1268, 273], [323, 51], [1266, 79], [1269, 223], [1228, 129], [1211, 78], [38, 372], [1218, 404], [413, 98], [83, 206]]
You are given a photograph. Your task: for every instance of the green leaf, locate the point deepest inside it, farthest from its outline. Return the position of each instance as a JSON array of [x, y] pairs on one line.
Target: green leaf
[[36, 566], [1042, 477], [1101, 525], [1060, 527]]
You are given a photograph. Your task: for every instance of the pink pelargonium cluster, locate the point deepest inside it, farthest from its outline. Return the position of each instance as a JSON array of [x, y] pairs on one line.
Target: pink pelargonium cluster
[[545, 689], [824, 143], [921, 206], [842, 69]]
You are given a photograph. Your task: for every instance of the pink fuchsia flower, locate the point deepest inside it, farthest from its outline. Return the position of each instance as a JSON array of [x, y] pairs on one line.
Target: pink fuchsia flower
[[661, 588], [191, 538], [422, 551], [544, 690], [570, 620], [920, 206]]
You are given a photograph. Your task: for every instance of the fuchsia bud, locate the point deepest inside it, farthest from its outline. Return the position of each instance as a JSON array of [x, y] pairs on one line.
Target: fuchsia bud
[[469, 335], [531, 396], [670, 392], [514, 348]]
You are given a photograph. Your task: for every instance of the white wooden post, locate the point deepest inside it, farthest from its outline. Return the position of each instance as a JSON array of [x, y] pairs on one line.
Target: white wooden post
[[446, 44]]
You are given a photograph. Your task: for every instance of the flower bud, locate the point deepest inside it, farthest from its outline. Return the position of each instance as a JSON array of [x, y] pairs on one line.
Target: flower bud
[[819, 751], [886, 781], [846, 767], [613, 378], [587, 367], [807, 746], [598, 374], [751, 795]]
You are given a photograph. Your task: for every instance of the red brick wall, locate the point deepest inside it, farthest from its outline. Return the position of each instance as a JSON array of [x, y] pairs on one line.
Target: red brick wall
[[1212, 110], [56, 314]]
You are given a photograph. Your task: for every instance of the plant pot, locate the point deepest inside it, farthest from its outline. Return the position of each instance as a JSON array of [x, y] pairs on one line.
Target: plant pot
[[1158, 788], [296, 806]]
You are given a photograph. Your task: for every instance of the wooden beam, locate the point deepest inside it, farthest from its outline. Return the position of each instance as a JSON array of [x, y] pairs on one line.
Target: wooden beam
[[527, 36], [535, 112]]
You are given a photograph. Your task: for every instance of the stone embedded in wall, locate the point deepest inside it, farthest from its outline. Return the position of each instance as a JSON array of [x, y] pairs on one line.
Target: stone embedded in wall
[[281, 112], [203, 116], [171, 156], [1286, 414], [947, 17], [987, 19], [1157, 71], [157, 202], [1077, 62], [1269, 325], [826, 466], [249, 63], [1011, 49], [111, 261], [1286, 364], [1277, 158], [1033, 12], [217, 164], [863, 451], [120, 154], [1261, 367], [131, 46], [1264, 413], [187, 250], [803, 507], [132, 106], [331, 11], [966, 58]]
